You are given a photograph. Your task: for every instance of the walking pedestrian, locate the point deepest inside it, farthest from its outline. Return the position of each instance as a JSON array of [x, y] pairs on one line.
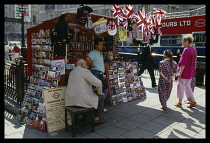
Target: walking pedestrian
[[146, 62], [16, 51], [192, 85], [186, 71], [6, 51], [96, 61], [167, 69]]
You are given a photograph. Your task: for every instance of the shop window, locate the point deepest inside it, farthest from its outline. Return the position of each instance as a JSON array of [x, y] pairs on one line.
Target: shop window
[[34, 18], [72, 5], [199, 39], [49, 6], [171, 40], [192, 13], [173, 9]]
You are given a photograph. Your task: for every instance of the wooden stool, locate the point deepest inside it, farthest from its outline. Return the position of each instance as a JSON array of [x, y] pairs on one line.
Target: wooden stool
[[75, 110]]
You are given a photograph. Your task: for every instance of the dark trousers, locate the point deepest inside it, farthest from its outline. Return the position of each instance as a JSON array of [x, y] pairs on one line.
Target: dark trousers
[[151, 72], [100, 110]]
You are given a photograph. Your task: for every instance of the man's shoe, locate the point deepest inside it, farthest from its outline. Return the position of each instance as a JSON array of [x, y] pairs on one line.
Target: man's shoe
[[98, 122], [154, 86]]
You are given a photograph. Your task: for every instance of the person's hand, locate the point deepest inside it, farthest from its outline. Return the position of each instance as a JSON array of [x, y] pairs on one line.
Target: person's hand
[[179, 74], [169, 80], [95, 91], [102, 94]]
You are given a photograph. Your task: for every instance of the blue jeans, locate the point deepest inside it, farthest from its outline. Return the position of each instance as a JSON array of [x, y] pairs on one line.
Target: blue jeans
[[7, 56], [100, 76]]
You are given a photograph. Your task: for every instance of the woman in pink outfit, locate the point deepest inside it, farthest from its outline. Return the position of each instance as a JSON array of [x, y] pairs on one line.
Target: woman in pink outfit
[[186, 71]]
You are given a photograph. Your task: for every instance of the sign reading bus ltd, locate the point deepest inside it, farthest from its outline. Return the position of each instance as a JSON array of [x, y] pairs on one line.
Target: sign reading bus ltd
[[185, 25]]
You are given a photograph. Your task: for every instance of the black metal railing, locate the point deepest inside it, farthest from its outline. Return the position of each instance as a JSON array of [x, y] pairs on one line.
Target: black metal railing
[[15, 81]]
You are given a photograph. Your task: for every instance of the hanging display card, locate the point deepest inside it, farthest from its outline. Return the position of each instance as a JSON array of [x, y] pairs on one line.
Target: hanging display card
[[58, 65], [54, 106]]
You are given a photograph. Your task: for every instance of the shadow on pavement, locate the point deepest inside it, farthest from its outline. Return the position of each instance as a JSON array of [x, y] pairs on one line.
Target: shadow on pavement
[[134, 119]]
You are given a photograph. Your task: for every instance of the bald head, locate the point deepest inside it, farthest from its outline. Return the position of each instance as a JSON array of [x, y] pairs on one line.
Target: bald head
[[80, 62]]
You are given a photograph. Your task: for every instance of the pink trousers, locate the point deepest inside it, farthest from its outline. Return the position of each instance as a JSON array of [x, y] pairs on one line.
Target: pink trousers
[[184, 86]]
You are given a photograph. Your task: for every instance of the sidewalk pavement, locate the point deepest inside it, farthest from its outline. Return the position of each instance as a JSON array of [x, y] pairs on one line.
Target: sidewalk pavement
[[137, 119]]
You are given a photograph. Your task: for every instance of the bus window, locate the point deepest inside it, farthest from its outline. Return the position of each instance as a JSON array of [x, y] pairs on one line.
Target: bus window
[[199, 39], [171, 40]]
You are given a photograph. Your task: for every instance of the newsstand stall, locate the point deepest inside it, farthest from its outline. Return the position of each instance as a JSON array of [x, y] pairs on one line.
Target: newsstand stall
[[54, 46], [49, 65]]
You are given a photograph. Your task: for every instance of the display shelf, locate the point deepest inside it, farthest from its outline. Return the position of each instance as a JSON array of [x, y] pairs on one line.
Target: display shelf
[[123, 83]]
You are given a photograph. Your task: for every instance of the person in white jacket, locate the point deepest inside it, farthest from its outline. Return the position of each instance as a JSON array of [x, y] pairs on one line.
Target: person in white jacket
[[6, 51], [79, 90]]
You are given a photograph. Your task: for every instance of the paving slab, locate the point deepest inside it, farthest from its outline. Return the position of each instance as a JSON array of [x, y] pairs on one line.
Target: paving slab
[[153, 127], [111, 131], [137, 119], [139, 133]]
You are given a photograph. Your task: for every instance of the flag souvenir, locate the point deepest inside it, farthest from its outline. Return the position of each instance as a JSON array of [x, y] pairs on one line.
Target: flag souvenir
[[124, 12], [112, 29], [158, 25], [121, 15], [152, 27], [160, 12], [130, 12], [140, 17], [115, 9], [125, 24], [147, 23], [153, 20]]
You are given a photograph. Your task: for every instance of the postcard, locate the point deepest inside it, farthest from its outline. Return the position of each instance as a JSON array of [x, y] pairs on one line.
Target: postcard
[[54, 83], [50, 75], [57, 75], [39, 88], [48, 84]]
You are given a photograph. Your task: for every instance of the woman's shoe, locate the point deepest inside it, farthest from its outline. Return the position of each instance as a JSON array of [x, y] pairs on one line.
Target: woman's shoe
[[192, 104], [187, 101], [178, 105], [164, 109]]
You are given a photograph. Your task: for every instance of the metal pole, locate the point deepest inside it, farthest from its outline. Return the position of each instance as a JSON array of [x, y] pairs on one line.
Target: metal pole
[[138, 59], [23, 48], [22, 17]]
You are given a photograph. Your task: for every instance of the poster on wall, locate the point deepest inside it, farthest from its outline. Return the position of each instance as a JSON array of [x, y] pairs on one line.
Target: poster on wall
[[58, 65], [54, 106]]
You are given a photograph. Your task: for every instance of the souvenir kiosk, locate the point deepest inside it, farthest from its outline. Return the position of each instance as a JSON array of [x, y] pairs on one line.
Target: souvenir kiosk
[[49, 66]]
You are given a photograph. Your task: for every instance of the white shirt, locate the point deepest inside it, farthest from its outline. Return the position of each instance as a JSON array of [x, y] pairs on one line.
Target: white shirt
[[6, 48], [79, 89]]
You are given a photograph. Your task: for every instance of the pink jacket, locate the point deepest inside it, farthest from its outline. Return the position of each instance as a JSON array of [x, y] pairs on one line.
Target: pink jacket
[[188, 59]]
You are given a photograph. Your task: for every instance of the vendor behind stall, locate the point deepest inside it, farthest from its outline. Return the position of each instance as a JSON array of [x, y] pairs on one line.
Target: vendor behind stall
[[96, 61]]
